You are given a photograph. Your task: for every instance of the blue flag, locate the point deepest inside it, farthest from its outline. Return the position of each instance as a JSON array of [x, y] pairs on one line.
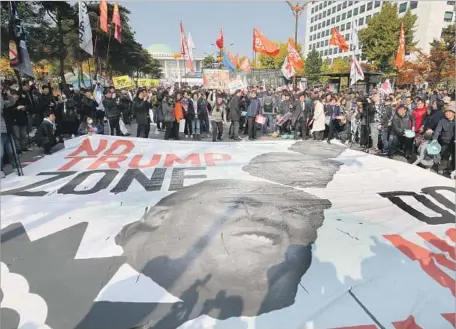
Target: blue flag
[[227, 63]]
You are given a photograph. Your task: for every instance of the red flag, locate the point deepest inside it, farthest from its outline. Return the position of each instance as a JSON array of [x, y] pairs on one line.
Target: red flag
[[263, 45], [219, 41], [184, 49], [293, 56], [104, 15], [117, 25], [245, 65], [400, 57], [338, 40]]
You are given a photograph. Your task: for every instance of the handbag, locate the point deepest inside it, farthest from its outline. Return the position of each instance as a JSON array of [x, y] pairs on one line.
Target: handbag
[[260, 119]]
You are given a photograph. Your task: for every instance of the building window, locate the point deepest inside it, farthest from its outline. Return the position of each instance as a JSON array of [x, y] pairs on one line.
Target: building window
[[338, 18], [413, 4], [377, 4], [320, 6], [344, 5], [368, 17], [319, 25], [403, 7], [344, 15], [319, 16], [325, 4], [311, 19], [324, 14], [362, 9], [370, 5], [349, 14], [350, 3], [448, 16], [333, 10], [313, 10], [330, 51], [328, 12], [333, 20], [326, 52], [318, 35], [327, 32], [323, 24], [355, 12], [339, 7], [347, 37], [311, 29], [361, 21], [328, 21], [342, 27], [310, 47]]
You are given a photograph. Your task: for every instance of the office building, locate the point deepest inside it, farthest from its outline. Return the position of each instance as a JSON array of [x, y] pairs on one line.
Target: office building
[[322, 16]]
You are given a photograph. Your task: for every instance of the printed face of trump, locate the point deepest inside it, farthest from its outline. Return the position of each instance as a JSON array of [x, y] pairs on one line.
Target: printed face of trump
[[248, 240]]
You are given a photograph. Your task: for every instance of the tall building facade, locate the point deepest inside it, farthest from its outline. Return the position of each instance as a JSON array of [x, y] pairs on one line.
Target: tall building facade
[[322, 16]]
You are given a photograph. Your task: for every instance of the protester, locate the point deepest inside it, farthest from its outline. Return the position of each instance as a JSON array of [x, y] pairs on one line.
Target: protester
[[235, 114], [178, 115], [445, 135], [113, 112], [402, 121], [140, 109], [318, 120], [87, 127], [168, 116], [218, 116], [253, 110], [45, 135]]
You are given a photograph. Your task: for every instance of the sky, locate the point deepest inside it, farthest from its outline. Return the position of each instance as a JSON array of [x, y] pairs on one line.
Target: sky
[[158, 22]]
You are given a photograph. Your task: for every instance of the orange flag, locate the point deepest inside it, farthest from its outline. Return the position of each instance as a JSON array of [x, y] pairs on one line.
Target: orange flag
[[234, 59], [338, 40], [263, 45], [245, 65], [104, 15], [116, 21], [400, 57], [293, 56]]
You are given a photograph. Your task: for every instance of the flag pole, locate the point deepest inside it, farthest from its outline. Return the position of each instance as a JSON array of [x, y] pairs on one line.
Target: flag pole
[[109, 46]]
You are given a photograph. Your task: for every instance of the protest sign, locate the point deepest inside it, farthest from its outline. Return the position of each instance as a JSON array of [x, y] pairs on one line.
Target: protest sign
[[277, 234], [148, 83], [216, 79], [122, 82], [235, 85]]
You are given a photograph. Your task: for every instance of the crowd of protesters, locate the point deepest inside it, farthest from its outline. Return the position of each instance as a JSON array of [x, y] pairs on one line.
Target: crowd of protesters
[[419, 127]]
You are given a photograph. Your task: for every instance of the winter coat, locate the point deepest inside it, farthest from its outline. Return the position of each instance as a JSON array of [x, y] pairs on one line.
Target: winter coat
[[168, 111], [399, 124], [112, 110], [444, 131], [419, 114], [89, 106], [254, 108], [140, 109], [319, 118], [385, 115], [45, 132], [178, 111], [431, 120], [43, 103], [203, 108], [191, 112], [235, 109]]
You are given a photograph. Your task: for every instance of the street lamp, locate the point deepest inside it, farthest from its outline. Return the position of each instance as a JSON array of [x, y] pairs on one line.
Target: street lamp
[[297, 10]]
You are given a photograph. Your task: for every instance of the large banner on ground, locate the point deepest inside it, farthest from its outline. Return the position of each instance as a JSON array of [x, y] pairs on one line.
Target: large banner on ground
[[117, 233], [216, 79]]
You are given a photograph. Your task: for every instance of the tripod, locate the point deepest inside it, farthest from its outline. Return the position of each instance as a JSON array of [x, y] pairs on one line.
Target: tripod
[[16, 159]]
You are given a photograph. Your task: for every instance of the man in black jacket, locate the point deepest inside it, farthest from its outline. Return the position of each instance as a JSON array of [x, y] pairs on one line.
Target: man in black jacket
[[112, 112], [46, 102], [385, 113], [235, 115], [445, 135], [402, 121], [45, 135]]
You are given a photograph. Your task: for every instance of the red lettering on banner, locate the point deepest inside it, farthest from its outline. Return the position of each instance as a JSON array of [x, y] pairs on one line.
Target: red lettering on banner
[[134, 163], [111, 160], [407, 324], [193, 158], [438, 243], [451, 318], [74, 161], [86, 147], [426, 261], [210, 158], [368, 326], [118, 144], [451, 233]]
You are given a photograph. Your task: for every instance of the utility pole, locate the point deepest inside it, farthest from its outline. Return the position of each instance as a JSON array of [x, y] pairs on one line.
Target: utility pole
[[297, 10]]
